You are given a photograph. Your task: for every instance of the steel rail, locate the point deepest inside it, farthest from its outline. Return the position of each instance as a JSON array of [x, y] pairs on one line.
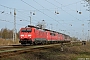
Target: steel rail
[[13, 51]]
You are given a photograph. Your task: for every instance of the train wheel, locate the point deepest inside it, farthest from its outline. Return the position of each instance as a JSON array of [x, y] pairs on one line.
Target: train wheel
[[43, 43], [46, 42], [23, 43]]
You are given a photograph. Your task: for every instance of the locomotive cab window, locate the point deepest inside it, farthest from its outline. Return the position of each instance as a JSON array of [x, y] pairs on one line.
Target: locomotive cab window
[[26, 30], [23, 30]]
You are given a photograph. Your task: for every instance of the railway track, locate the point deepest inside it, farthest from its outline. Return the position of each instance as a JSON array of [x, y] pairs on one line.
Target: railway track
[[11, 50], [14, 50]]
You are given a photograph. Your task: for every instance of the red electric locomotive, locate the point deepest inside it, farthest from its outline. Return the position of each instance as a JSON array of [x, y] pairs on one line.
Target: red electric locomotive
[[35, 35], [32, 34]]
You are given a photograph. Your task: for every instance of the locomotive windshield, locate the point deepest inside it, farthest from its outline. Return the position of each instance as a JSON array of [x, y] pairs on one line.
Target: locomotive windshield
[[26, 30]]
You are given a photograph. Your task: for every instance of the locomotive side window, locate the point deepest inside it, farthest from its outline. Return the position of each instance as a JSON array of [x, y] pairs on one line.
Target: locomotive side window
[[28, 30], [52, 34]]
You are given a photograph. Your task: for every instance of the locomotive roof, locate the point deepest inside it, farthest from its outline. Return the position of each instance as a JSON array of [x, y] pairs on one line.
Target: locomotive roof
[[46, 29], [65, 35], [52, 31], [33, 26]]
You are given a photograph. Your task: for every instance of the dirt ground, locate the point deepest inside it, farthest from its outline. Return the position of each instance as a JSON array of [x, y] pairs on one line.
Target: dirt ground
[[81, 52]]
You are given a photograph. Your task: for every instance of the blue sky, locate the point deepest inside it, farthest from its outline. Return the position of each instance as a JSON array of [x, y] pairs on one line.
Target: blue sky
[[68, 21]]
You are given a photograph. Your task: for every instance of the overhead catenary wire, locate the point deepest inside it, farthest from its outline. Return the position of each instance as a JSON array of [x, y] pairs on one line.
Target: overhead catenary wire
[[63, 10], [9, 21], [46, 9], [59, 3], [39, 11], [13, 15], [20, 19], [71, 9], [11, 12], [28, 14], [6, 7], [13, 8]]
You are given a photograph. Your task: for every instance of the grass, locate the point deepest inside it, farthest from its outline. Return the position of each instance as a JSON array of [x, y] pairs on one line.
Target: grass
[[80, 52], [8, 42]]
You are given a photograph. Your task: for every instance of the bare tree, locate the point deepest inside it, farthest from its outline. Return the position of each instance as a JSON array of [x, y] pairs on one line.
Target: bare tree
[[88, 4], [6, 33]]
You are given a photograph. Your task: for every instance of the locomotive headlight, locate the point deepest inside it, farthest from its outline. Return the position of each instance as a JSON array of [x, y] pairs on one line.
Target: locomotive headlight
[[22, 35], [29, 35]]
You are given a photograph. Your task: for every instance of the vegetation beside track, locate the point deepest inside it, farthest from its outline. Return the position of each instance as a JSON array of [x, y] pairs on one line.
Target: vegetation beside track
[[79, 52], [8, 42]]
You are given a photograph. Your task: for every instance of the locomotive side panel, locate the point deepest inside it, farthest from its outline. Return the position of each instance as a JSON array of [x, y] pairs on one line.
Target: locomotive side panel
[[40, 36]]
